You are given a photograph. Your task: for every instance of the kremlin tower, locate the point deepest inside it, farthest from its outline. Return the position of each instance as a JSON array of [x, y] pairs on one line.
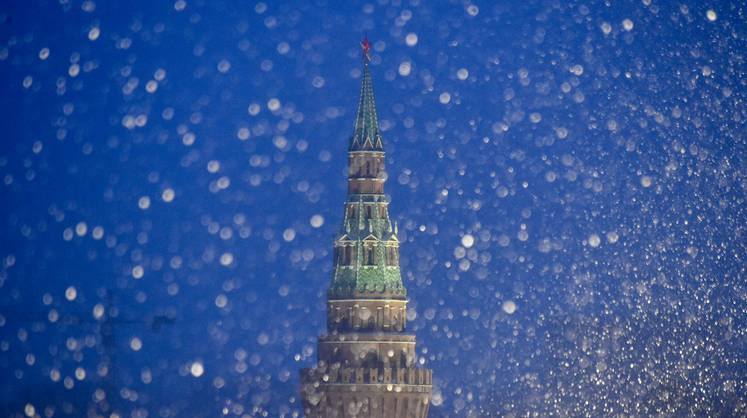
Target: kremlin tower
[[367, 365]]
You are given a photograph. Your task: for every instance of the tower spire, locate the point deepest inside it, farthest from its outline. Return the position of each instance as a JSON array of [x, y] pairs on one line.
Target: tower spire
[[366, 49], [366, 136], [366, 264]]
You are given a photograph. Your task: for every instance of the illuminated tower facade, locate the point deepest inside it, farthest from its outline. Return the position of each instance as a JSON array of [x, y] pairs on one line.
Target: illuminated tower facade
[[367, 365]]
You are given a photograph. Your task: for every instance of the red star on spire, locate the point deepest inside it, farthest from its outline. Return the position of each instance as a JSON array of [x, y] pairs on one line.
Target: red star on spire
[[366, 47]]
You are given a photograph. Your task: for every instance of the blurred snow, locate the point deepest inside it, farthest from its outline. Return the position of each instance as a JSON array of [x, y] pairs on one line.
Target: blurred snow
[[569, 180]]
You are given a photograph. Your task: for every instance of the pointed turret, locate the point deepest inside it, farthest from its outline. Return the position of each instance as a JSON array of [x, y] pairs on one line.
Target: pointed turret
[[366, 136], [366, 252]]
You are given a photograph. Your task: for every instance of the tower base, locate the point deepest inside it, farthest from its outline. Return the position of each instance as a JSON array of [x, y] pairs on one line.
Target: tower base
[[339, 392]]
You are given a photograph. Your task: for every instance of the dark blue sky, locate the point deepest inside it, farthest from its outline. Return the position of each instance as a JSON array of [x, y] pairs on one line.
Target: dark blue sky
[[569, 181]]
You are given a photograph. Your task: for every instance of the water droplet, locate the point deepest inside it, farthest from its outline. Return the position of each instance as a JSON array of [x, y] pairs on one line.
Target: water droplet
[[226, 259], [168, 195], [138, 272], [197, 369], [144, 202], [94, 33], [317, 221], [136, 344], [405, 68], [411, 39]]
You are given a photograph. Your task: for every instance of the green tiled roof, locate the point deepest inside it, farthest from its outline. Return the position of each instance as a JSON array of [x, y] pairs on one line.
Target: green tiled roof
[[366, 223], [366, 136]]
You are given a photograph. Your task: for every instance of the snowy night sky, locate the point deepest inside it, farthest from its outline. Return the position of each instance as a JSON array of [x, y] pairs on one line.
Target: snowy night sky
[[569, 180]]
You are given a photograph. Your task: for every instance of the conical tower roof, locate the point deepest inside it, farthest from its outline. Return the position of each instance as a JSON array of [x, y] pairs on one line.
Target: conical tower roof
[[366, 136]]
